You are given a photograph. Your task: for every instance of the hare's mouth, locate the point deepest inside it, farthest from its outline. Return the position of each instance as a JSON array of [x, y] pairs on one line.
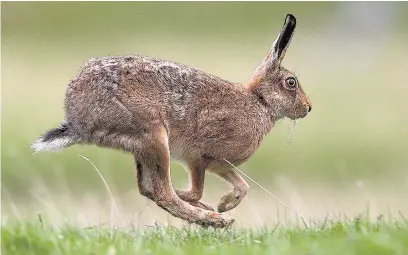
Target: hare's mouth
[[303, 114], [300, 114]]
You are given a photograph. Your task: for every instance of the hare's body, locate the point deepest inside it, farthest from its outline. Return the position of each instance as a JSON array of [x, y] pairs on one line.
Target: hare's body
[[115, 101], [155, 109]]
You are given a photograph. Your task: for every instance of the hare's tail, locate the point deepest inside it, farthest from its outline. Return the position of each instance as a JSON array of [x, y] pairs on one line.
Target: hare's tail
[[55, 139]]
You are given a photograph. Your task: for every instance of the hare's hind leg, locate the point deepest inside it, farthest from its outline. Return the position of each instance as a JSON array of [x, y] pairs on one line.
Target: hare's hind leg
[[195, 191], [154, 182], [235, 196]]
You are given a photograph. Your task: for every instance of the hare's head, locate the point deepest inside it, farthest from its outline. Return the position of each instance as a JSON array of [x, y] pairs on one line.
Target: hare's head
[[276, 87]]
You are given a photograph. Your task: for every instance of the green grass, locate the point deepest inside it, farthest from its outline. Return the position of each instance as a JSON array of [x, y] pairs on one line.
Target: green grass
[[338, 237]]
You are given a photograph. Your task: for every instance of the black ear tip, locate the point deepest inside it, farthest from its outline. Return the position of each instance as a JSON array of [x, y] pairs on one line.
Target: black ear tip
[[290, 19]]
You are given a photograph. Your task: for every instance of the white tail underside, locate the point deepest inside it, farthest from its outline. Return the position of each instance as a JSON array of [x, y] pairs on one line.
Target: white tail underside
[[52, 145]]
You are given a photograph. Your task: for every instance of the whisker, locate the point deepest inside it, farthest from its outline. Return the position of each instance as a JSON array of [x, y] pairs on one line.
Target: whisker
[[295, 73], [290, 132]]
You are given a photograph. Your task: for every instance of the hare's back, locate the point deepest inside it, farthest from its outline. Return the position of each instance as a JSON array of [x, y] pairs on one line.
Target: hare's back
[[146, 73], [122, 92]]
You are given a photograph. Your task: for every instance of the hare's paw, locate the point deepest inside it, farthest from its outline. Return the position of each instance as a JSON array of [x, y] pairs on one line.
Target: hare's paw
[[203, 205], [231, 200], [226, 221], [193, 199], [216, 220], [188, 195]]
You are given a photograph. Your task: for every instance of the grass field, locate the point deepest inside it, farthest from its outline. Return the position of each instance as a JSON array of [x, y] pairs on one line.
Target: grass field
[[344, 166], [356, 236]]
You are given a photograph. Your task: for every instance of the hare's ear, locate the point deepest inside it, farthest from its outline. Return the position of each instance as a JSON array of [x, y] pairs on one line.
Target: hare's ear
[[281, 44], [278, 49]]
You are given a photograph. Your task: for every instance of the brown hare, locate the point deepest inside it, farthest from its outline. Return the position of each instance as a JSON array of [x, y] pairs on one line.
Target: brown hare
[[155, 109]]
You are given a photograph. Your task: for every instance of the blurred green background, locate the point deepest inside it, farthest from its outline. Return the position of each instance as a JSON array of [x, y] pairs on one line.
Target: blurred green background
[[352, 58]]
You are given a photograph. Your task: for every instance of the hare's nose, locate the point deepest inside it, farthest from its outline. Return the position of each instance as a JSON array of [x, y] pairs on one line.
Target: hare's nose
[[307, 103], [309, 107]]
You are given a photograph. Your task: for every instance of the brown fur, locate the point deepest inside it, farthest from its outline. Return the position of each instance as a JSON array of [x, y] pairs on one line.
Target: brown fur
[[156, 109]]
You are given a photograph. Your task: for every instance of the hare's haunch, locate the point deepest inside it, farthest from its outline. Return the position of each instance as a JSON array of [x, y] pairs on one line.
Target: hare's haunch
[[155, 109]]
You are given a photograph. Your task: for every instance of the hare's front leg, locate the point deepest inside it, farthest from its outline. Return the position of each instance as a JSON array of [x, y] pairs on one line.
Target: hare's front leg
[[153, 166], [235, 196], [195, 192]]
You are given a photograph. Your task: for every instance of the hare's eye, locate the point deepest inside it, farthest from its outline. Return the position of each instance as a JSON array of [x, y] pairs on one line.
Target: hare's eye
[[291, 82]]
